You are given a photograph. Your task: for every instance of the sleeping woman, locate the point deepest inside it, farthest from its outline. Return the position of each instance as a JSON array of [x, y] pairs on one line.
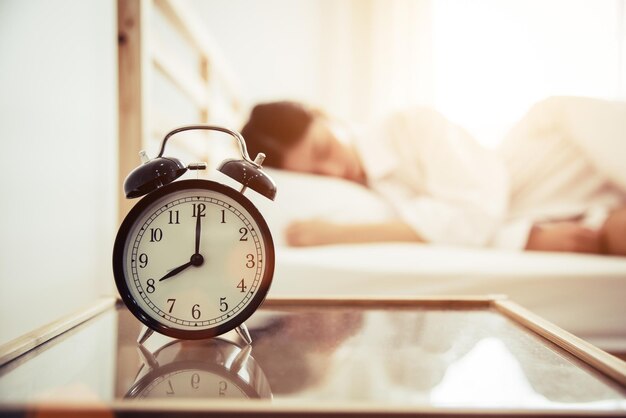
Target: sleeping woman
[[557, 182]]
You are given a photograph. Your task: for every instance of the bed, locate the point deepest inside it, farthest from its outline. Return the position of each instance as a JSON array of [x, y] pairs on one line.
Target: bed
[[171, 72], [583, 294]]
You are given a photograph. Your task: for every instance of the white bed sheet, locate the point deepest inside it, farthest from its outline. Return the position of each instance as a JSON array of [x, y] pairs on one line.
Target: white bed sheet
[[585, 295]]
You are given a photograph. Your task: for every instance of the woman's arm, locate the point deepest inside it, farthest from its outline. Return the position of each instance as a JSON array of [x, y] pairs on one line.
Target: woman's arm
[[564, 236], [316, 232], [443, 184]]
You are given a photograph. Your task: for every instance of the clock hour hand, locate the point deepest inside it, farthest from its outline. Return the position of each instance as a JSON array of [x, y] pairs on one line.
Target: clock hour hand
[[177, 270], [196, 260]]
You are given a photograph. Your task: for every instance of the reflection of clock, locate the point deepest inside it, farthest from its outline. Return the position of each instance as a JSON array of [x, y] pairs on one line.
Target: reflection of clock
[[206, 369]]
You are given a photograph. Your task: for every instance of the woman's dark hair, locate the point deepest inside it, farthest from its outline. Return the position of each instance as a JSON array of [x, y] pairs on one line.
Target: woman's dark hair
[[275, 127]]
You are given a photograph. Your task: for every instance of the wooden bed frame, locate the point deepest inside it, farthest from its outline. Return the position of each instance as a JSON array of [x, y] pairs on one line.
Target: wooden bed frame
[[208, 83]]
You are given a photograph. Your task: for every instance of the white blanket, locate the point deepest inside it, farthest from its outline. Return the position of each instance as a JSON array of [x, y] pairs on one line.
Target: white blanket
[[585, 295]]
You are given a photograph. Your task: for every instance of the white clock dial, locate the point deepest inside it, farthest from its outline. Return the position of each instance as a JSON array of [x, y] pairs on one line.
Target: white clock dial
[[195, 259]]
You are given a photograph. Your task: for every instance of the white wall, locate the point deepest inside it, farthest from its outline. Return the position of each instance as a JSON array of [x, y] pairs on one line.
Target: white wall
[[351, 57], [481, 62], [273, 46], [58, 132]]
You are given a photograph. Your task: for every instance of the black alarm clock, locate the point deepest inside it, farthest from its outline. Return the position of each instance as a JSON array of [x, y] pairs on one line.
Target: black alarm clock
[[194, 259]]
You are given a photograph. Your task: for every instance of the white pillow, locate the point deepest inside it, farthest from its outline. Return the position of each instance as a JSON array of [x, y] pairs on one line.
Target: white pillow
[[306, 196]]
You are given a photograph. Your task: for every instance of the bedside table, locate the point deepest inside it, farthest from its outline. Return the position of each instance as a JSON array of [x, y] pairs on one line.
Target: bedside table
[[453, 356]]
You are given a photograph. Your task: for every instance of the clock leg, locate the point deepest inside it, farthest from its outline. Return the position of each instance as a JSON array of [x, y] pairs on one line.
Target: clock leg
[[243, 332], [144, 335]]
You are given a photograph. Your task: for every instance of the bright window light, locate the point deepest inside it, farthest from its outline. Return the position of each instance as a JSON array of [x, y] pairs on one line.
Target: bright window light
[[493, 59]]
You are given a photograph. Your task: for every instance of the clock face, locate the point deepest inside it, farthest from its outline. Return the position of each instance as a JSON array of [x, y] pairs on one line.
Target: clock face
[[193, 259]]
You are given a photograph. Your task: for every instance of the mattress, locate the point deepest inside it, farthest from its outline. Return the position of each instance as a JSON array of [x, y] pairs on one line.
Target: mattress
[[583, 294]]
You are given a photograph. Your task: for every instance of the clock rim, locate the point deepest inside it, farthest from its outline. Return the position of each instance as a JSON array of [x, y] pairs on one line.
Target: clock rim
[[119, 258]]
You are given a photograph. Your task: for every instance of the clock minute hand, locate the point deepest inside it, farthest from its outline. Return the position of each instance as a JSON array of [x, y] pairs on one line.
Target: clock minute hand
[[175, 271], [198, 232]]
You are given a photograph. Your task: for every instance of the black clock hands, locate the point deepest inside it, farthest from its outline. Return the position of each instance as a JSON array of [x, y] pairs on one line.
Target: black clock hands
[[177, 270], [196, 259]]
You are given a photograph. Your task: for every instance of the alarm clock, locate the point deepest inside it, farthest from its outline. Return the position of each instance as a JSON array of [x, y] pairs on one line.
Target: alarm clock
[[193, 259], [209, 369]]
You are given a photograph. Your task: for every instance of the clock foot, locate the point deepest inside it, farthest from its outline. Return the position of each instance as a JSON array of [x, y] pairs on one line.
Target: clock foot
[[145, 334], [243, 332]]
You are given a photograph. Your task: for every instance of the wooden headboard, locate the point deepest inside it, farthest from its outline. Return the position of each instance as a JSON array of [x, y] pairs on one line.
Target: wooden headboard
[[171, 73]]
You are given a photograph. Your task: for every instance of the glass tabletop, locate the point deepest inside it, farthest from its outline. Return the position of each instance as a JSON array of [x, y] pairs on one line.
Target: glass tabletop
[[408, 357]]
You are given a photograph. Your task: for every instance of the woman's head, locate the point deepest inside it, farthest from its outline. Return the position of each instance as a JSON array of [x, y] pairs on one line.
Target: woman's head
[[275, 127], [300, 139]]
